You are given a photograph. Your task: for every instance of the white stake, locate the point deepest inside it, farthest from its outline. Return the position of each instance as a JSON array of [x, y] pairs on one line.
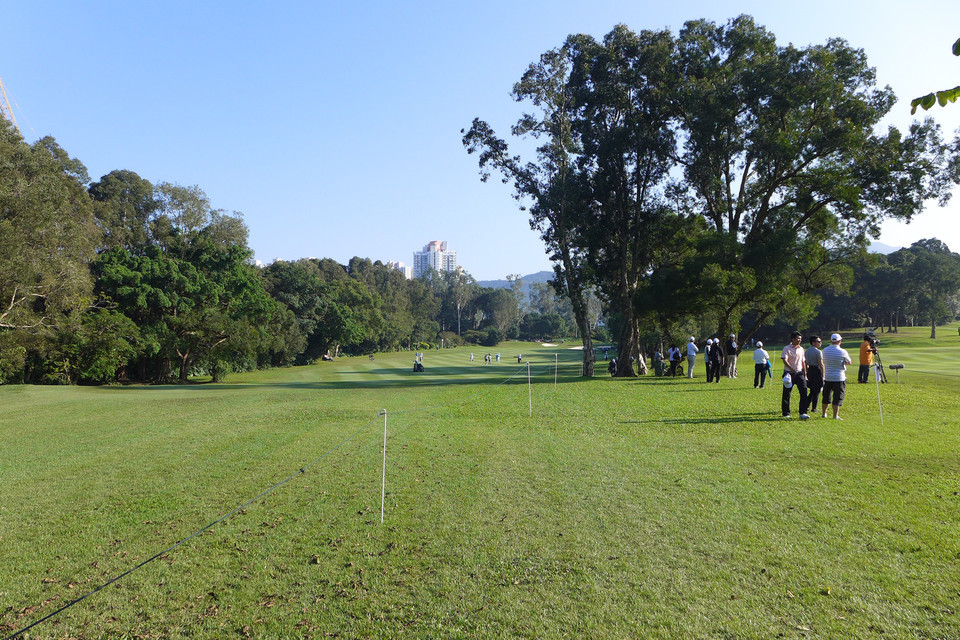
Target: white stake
[[556, 367], [529, 389], [879, 404], [383, 488]]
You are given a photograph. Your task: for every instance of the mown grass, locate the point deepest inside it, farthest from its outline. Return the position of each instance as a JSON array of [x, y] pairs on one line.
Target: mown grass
[[646, 508]]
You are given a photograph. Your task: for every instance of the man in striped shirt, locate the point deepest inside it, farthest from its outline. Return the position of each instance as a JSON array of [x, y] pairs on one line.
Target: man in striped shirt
[[835, 361]]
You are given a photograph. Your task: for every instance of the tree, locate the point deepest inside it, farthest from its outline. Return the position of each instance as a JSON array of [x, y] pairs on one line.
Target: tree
[[47, 234], [621, 89], [124, 204], [461, 291], [551, 185], [941, 97], [934, 274], [499, 307], [780, 151]]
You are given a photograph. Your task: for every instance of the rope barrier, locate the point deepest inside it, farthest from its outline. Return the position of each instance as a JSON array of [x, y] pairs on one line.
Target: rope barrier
[[262, 494], [271, 489]]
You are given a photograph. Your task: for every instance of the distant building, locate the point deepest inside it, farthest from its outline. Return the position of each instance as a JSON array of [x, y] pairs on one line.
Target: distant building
[[434, 256], [402, 268]]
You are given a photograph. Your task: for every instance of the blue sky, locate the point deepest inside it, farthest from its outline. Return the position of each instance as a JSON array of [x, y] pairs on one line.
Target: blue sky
[[335, 127]]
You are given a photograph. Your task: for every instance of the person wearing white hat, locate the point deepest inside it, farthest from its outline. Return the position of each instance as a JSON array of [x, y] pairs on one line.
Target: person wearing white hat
[[706, 359], [835, 361], [760, 360], [692, 352]]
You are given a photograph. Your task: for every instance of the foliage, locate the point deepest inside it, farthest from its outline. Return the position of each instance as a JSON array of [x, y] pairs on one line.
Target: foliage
[[47, 234], [939, 97]]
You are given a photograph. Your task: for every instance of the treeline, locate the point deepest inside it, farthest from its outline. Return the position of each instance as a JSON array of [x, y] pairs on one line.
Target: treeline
[[712, 178], [121, 279], [919, 284]]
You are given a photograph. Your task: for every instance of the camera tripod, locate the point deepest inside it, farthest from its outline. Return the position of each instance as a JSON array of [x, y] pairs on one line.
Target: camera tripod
[[879, 363]]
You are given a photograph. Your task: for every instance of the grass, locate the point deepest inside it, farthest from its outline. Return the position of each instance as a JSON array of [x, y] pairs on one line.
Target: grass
[[646, 508]]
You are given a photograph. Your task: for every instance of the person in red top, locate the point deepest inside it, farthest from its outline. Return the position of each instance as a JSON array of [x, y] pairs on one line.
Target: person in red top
[[794, 366]]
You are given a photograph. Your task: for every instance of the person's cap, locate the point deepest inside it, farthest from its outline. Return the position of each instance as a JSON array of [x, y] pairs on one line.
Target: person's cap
[[692, 338], [796, 334], [732, 336], [836, 337], [759, 344], [709, 340]]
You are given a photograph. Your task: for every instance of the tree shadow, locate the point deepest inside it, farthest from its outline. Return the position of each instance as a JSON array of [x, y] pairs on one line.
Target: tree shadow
[[389, 378], [756, 416]]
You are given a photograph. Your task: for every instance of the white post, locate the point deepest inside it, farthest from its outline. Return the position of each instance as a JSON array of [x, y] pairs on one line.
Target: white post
[[556, 367], [879, 404], [529, 389], [383, 488]]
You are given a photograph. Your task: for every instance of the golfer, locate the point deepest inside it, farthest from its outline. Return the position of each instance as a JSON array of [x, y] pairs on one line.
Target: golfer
[[835, 361]]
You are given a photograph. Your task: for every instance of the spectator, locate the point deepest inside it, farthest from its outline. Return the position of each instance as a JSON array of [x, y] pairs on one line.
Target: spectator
[[814, 358], [761, 362], [835, 361], [730, 349], [795, 367], [866, 359], [675, 356], [692, 352]]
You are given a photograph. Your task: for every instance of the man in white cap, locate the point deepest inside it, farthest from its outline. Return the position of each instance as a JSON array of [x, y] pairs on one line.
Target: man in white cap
[[760, 359], [692, 351], [835, 361]]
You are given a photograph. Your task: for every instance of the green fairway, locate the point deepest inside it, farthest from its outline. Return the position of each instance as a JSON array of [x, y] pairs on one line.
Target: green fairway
[[628, 508]]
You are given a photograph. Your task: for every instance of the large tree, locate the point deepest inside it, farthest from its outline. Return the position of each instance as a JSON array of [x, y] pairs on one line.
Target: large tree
[[124, 204], [47, 233], [781, 155], [934, 277], [621, 90], [551, 187]]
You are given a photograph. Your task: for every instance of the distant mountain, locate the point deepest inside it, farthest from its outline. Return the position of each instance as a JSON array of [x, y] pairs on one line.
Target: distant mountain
[[879, 247], [540, 276]]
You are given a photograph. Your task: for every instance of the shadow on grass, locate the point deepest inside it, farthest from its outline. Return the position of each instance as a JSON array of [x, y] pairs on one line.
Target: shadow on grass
[[383, 378], [757, 416]]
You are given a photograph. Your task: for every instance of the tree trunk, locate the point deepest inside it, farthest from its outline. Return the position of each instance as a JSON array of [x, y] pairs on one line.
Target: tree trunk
[[933, 329], [184, 367], [579, 304], [627, 345]]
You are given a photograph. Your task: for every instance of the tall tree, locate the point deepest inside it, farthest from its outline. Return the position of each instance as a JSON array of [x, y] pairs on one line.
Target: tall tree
[[47, 233], [621, 89], [550, 187], [124, 204], [780, 147], [934, 274]]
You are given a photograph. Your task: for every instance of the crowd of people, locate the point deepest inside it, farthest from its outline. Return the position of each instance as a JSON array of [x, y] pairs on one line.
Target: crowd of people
[[819, 376]]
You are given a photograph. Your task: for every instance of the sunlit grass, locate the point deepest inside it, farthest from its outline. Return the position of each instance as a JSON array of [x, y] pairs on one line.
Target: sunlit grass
[[621, 508]]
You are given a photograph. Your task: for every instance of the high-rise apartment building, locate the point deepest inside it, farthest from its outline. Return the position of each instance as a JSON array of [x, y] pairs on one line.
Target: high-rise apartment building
[[402, 268], [434, 256]]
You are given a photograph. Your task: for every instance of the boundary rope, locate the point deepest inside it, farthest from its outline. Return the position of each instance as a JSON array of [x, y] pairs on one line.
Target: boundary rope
[[262, 494]]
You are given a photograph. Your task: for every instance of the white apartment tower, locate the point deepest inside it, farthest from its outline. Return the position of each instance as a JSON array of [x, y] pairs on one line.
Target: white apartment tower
[[434, 256]]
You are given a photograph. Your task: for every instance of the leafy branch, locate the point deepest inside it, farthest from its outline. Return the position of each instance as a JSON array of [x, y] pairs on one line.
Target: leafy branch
[[942, 97]]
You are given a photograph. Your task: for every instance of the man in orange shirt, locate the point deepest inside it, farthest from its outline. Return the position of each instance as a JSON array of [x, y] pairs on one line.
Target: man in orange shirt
[[866, 359]]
